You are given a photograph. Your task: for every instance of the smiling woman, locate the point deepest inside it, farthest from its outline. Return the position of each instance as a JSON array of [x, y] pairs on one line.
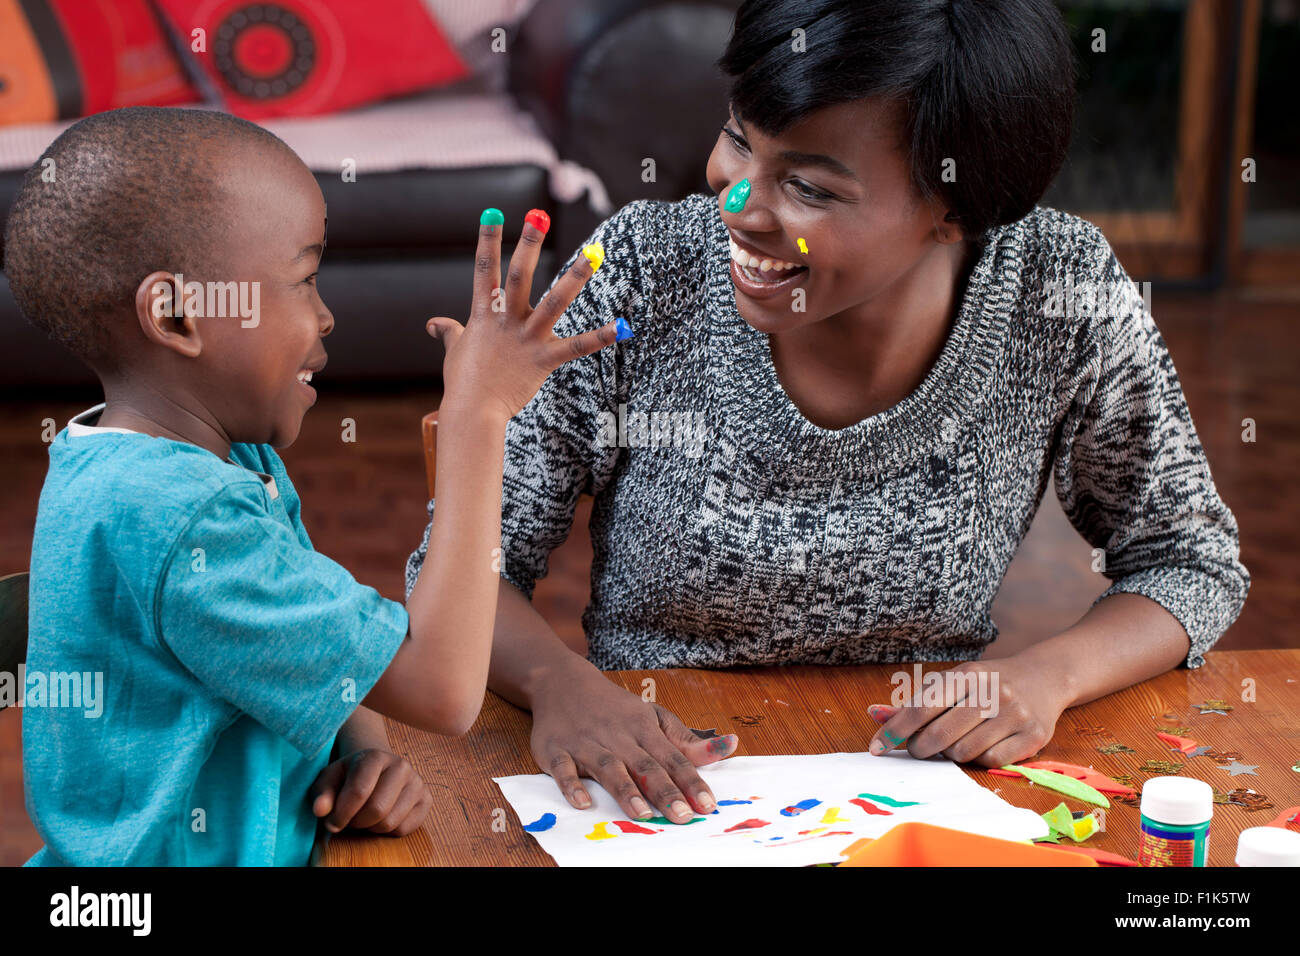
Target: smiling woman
[[885, 410]]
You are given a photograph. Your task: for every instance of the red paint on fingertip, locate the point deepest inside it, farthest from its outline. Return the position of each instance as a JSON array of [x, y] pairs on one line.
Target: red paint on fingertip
[[538, 219]]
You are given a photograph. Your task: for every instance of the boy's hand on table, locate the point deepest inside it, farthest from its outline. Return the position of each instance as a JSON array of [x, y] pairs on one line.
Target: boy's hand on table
[[1014, 722], [507, 348], [371, 790], [639, 752]]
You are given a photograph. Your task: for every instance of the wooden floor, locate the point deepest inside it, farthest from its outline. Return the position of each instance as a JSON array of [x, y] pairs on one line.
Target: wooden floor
[[363, 502]]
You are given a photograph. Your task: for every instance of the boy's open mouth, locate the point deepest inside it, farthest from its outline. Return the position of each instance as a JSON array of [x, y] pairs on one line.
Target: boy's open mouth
[[305, 373]]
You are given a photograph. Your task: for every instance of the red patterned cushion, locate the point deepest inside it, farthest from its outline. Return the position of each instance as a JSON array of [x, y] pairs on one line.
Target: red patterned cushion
[[302, 57], [61, 59]]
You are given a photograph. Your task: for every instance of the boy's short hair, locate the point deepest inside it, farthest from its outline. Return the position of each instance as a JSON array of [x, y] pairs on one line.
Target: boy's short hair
[[986, 83], [128, 192]]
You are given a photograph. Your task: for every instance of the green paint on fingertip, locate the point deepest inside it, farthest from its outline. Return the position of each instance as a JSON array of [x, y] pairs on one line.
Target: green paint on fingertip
[[491, 217]]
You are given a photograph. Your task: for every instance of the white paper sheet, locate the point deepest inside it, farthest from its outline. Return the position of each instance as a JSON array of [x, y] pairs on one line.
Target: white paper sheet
[[940, 793]]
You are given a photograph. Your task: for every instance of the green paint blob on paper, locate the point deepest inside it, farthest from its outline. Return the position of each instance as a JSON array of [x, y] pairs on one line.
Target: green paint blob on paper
[[665, 820], [889, 801]]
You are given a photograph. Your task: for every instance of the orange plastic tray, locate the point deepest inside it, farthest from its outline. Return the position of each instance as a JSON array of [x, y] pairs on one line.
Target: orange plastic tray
[[923, 844]]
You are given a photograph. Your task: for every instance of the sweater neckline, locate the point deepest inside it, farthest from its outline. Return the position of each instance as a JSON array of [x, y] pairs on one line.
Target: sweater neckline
[[762, 420]]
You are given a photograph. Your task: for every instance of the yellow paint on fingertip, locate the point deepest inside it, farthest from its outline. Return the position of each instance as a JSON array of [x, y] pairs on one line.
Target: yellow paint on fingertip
[[595, 254]]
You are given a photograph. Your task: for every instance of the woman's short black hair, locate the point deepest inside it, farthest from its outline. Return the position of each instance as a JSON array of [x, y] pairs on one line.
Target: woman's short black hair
[[988, 84]]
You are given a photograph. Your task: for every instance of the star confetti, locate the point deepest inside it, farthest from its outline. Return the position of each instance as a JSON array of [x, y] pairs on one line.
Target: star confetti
[[1296, 767], [1214, 707], [1176, 731], [1250, 799], [1222, 756], [1237, 768], [1116, 749], [1160, 766], [1199, 751], [1093, 730]]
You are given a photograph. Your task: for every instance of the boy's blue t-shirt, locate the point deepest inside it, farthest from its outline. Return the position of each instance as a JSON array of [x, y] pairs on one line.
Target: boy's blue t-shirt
[[229, 653]]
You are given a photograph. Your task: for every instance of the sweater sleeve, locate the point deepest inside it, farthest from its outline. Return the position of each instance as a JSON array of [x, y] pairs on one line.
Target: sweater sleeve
[[560, 446], [1132, 476]]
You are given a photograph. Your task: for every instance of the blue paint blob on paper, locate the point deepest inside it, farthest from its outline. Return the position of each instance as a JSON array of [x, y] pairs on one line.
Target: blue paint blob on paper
[[732, 803], [800, 807], [544, 822]]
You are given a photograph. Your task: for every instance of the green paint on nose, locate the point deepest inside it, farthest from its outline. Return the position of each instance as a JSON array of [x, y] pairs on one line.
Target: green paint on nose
[[738, 196]]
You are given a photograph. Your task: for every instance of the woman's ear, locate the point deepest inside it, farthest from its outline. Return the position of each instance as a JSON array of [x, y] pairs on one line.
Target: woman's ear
[[947, 226], [160, 310]]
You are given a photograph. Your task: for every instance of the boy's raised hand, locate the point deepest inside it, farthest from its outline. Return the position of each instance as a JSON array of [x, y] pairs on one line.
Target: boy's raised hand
[[507, 349]]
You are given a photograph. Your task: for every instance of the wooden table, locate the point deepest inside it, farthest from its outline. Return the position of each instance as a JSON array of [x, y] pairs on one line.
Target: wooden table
[[807, 710]]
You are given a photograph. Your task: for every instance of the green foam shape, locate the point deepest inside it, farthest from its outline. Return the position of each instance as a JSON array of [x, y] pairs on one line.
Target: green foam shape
[[1062, 823], [1062, 784]]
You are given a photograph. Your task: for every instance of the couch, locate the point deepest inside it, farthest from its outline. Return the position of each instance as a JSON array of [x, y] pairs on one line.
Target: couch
[[587, 90]]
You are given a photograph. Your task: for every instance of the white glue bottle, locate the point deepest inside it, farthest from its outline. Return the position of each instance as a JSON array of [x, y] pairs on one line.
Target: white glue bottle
[[1268, 846]]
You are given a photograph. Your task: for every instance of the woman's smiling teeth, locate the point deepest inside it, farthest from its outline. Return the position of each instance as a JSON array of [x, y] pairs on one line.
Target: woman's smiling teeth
[[760, 269], [304, 376]]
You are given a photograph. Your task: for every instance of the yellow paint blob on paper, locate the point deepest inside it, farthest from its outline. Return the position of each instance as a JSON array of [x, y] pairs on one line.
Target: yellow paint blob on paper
[[598, 832], [833, 816]]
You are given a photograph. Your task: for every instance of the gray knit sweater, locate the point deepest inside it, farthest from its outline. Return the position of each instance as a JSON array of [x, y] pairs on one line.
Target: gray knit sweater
[[728, 529]]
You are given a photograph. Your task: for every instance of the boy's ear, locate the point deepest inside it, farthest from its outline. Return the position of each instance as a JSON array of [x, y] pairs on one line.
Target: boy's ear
[[160, 310]]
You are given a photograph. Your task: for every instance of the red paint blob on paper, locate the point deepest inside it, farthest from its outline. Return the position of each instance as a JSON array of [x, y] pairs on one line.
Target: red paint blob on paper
[[628, 827], [871, 808]]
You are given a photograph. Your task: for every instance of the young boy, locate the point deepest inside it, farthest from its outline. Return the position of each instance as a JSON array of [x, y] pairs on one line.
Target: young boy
[[170, 560]]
